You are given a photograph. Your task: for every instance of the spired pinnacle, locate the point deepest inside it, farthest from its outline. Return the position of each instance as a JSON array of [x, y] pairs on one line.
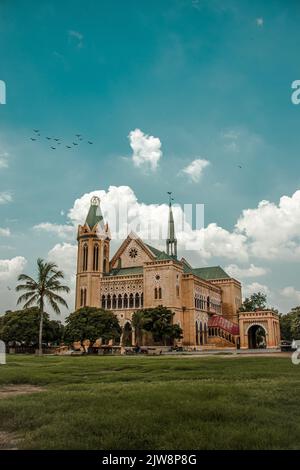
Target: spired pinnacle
[[95, 201], [171, 242]]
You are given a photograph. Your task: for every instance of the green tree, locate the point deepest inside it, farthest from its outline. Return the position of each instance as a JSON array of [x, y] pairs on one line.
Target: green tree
[[23, 326], [45, 289], [159, 322], [256, 301], [290, 324], [138, 322], [91, 323]]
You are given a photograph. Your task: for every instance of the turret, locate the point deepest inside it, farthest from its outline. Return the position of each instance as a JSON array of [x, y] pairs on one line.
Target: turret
[[93, 256]]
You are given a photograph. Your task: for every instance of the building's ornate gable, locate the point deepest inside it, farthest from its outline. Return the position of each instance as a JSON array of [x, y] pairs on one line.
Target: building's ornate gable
[[133, 252]]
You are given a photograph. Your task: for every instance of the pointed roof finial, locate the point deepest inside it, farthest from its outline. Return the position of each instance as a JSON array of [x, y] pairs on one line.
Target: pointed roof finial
[[94, 216], [170, 197]]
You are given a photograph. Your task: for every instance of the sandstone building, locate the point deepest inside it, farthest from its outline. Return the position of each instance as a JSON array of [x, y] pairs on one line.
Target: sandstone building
[[205, 300]]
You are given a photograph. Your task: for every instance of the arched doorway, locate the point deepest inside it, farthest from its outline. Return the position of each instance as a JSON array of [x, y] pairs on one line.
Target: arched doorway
[[256, 337], [127, 334]]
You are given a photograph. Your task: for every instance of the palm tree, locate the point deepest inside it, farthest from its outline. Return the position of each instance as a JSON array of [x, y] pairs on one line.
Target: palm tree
[[44, 289], [138, 322]]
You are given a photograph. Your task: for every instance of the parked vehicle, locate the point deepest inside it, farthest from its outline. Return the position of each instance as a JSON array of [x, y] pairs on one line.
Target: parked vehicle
[[285, 345]]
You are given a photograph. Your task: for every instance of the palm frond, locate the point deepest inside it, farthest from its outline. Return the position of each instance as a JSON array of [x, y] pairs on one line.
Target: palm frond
[[54, 306], [51, 296], [30, 300], [32, 287], [24, 277], [58, 288]]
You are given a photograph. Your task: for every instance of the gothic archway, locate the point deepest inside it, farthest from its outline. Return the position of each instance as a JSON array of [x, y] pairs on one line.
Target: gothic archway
[[127, 334], [256, 337]]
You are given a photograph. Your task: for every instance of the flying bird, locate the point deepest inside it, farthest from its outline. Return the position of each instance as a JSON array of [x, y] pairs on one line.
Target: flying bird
[[36, 130], [68, 146], [56, 140], [74, 143], [32, 138], [239, 166], [53, 148], [91, 143], [49, 138], [78, 135]]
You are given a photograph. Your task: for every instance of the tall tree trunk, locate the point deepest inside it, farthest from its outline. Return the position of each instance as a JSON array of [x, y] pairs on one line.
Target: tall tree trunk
[[41, 327]]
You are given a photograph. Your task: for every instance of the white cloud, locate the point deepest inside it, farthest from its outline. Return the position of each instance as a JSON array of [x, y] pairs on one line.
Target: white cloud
[[146, 149], [195, 169], [4, 232], [255, 287], [62, 231], [5, 197], [273, 231], [11, 268], [149, 221], [291, 293], [4, 160], [65, 256], [259, 22], [241, 273]]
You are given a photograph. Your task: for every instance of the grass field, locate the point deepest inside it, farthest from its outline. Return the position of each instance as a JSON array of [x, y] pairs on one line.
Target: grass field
[[152, 403]]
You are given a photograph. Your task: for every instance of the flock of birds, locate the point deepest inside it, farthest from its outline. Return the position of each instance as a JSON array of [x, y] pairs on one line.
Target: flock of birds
[[55, 141]]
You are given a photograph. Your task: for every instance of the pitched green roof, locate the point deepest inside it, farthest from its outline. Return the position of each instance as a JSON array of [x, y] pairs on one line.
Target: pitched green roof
[[158, 253], [210, 273], [126, 271], [154, 250]]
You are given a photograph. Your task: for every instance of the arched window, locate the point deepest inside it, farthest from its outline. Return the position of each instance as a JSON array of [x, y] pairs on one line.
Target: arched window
[[85, 258], [205, 333], [201, 333], [208, 302], [142, 300], [96, 257], [114, 302], [177, 291], [131, 301], [137, 300], [197, 333], [119, 301], [103, 301], [155, 293], [83, 297], [125, 301], [159, 293], [108, 301], [104, 265]]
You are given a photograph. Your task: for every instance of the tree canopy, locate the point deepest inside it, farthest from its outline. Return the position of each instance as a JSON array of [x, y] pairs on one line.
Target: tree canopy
[[290, 324], [159, 322], [23, 326], [91, 323], [256, 301]]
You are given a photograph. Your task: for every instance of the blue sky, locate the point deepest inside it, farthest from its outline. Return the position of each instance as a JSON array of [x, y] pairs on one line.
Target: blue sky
[[210, 79]]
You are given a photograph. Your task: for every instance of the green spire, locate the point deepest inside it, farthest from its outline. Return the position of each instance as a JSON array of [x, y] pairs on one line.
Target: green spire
[[94, 216], [171, 241]]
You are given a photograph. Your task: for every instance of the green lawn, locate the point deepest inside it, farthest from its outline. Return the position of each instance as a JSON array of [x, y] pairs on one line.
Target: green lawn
[[153, 403]]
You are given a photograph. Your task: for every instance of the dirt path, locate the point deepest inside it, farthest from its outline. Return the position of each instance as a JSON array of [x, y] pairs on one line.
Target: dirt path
[[13, 390]]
